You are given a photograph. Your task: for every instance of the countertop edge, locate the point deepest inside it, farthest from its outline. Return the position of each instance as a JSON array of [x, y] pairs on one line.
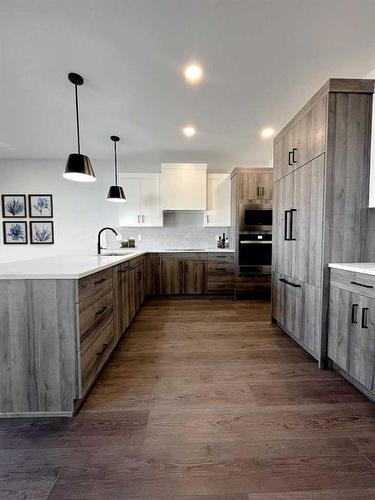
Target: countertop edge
[[355, 267], [119, 260]]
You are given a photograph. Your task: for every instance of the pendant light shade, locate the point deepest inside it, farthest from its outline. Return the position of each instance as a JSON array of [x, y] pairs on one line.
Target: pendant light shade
[[116, 193], [78, 167]]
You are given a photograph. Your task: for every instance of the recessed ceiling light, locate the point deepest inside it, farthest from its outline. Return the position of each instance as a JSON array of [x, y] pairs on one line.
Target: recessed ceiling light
[[189, 131], [193, 73], [267, 133]]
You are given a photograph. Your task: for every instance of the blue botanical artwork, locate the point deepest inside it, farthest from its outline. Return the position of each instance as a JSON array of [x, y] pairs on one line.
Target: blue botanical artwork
[[15, 232], [42, 232], [14, 205], [40, 205]]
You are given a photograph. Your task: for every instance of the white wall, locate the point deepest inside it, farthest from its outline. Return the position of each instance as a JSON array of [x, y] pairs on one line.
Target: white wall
[[80, 209]]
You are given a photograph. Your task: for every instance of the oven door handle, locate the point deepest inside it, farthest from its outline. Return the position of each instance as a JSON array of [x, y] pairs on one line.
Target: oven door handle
[[249, 242]]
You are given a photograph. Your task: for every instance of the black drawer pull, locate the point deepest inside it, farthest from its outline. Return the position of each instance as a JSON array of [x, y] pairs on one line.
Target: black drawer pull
[[294, 151], [290, 161], [364, 317], [361, 284], [101, 311], [102, 280], [286, 236], [354, 313], [103, 350], [291, 238], [283, 280], [258, 191]]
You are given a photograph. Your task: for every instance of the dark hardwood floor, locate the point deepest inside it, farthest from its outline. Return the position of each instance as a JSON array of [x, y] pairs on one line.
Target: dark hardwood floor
[[204, 400]]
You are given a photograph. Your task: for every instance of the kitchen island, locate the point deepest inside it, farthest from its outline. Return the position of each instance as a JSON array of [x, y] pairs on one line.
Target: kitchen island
[[62, 317], [351, 324]]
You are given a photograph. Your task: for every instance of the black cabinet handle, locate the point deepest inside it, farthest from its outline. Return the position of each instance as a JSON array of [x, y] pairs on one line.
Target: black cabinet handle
[[294, 151], [354, 313], [258, 192], [291, 224], [103, 349], [290, 160], [361, 284], [262, 191], [286, 237], [364, 317], [294, 285], [100, 281], [101, 311]]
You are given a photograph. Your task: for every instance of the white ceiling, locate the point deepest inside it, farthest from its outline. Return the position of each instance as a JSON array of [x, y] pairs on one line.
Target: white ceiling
[[262, 60]]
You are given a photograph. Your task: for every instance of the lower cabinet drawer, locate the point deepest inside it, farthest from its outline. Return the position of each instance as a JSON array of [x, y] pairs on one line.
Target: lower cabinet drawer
[[95, 283], [95, 350], [220, 284], [353, 282], [93, 310]]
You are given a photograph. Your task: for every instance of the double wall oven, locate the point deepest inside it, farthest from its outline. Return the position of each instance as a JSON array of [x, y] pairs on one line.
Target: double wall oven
[[255, 239]]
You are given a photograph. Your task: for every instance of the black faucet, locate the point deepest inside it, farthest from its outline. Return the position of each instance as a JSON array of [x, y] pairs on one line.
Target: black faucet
[[100, 248]]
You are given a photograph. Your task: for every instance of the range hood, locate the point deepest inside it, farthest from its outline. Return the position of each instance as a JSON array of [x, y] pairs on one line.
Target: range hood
[[183, 187]]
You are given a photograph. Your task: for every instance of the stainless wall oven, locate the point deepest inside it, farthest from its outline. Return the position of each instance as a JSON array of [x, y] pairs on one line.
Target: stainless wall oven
[[255, 218], [255, 252]]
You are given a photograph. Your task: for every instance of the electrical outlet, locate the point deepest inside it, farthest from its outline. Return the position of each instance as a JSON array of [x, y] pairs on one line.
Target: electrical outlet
[[139, 237]]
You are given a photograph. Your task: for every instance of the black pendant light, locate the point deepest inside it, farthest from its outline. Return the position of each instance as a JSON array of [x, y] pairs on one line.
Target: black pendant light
[[116, 193], [78, 167]]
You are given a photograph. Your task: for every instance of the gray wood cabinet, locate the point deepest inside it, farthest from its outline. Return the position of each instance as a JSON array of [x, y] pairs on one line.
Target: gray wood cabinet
[[252, 186], [321, 178], [351, 332], [220, 274], [184, 273]]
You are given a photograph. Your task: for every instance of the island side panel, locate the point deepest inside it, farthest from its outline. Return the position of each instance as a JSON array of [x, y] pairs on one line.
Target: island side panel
[[38, 357]]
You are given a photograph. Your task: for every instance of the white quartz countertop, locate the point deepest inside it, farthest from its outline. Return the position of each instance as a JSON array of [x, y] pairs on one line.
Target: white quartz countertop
[[78, 266], [356, 267]]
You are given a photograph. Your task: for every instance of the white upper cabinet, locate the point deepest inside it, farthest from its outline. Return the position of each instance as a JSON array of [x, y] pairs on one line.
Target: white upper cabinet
[[142, 207], [183, 186], [218, 200]]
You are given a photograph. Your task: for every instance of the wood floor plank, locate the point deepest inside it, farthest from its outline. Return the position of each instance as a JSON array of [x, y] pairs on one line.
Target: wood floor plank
[[205, 399]]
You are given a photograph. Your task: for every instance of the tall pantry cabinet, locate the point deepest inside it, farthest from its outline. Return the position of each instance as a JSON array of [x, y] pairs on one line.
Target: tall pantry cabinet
[[321, 182]]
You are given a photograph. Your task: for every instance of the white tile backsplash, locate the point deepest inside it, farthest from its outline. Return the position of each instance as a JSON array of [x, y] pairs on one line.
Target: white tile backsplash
[[181, 230]]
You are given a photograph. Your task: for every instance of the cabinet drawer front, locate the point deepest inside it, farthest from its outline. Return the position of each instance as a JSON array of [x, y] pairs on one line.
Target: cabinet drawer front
[[184, 256], [220, 284], [95, 283], [135, 262], [220, 268], [93, 310], [353, 282], [221, 258], [95, 351]]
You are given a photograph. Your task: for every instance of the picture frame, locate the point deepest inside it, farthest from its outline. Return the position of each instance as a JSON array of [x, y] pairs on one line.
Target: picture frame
[[13, 206], [15, 233], [40, 206], [42, 232]]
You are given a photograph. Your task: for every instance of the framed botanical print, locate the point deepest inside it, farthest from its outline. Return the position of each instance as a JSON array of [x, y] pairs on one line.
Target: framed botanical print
[[40, 206], [14, 232], [13, 205], [41, 232]]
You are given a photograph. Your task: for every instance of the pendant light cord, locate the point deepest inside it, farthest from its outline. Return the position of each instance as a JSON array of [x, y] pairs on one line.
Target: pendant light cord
[[77, 117], [115, 144]]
